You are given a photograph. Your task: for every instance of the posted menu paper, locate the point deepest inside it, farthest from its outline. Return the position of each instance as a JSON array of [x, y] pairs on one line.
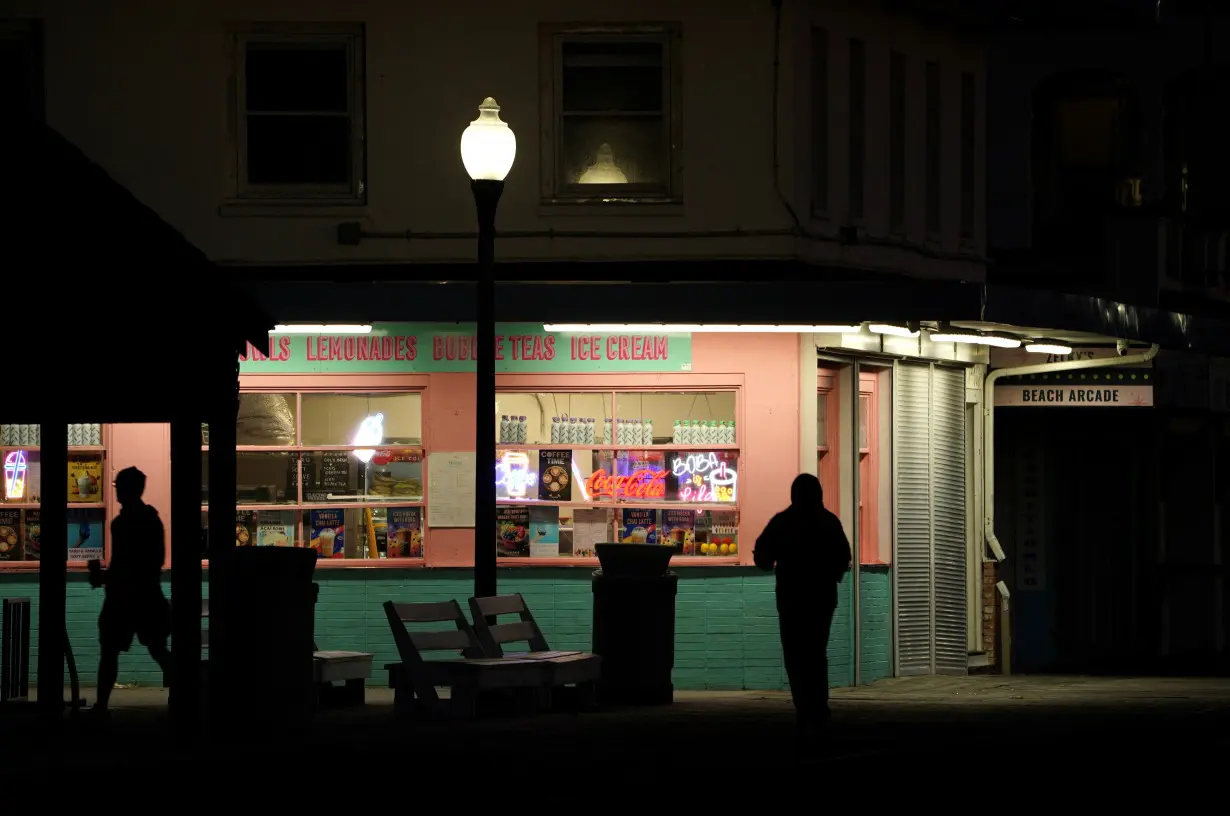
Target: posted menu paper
[[450, 489]]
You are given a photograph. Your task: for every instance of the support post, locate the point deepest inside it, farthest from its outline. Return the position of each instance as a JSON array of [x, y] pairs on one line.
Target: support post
[[486, 200], [186, 576], [223, 412], [53, 565]]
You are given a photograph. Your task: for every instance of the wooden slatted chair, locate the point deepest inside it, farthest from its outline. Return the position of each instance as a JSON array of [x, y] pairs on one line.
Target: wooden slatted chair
[[415, 679], [579, 669]]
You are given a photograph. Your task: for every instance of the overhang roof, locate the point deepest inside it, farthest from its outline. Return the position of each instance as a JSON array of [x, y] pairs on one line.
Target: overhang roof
[[114, 306]]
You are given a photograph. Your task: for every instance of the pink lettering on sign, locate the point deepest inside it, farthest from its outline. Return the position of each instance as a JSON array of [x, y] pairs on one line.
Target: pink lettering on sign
[[458, 347], [349, 348], [621, 347], [279, 352]]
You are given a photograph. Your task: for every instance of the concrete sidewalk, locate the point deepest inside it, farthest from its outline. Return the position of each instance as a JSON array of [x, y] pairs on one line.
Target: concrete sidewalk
[[915, 722]]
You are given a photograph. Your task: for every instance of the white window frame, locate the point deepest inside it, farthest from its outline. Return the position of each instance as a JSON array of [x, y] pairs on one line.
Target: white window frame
[[554, 190], [240, 35]]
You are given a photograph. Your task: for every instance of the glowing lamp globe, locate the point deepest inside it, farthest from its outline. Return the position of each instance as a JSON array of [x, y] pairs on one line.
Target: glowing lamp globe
[[488, 145]]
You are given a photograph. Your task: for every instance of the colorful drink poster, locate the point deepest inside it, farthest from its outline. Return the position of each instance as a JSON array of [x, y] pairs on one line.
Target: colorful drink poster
[[544, 532], [275, 534], [405, 532], [640, 526], [327, 533], [32, 534], [85, 478], [512, 534], [10, 535], [245, 528], [679, 530], [555, 475], [85, 535]]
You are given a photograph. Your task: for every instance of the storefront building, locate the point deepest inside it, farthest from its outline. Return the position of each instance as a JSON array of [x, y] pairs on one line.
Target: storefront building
[[359, 442]]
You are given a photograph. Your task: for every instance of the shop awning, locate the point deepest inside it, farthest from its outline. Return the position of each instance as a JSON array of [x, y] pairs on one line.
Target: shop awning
[[106, 299], [783, 292]]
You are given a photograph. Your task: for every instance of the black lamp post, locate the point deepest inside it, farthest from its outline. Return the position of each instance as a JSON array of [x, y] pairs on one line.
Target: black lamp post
[[488, 147]]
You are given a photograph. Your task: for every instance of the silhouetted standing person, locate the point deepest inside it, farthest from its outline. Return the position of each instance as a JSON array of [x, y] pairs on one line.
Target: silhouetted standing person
[[134, 604], [809, 549]]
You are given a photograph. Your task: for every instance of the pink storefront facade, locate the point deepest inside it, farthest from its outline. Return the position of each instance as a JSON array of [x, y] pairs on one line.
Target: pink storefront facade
[[390, 520]]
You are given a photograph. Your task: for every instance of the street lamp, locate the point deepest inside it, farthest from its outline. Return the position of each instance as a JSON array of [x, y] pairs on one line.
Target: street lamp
[[488, 147]]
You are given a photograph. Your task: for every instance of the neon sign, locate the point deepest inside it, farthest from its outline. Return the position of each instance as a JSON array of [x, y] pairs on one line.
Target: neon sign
[[513, 473], [15, 467], [704, 477], [644, 483]]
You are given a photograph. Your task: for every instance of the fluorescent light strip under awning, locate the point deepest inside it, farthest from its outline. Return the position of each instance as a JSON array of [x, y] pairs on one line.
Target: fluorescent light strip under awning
[[976, 339], [321, 328], [694, 328]]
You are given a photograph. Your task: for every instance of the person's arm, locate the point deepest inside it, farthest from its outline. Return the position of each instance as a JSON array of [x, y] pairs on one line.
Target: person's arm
[[843, 555], [764, 554]]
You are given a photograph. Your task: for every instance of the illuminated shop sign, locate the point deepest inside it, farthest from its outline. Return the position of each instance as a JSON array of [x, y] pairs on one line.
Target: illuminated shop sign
[[641, 483], [15, 475], [513, 474], [704, 477]]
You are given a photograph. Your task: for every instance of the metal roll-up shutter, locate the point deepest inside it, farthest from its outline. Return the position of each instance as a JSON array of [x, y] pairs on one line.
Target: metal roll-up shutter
[[912, 567], [948, 518]]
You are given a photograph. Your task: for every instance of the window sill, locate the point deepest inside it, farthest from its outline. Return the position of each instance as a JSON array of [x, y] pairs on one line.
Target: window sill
[[273, 208], [592, 563], [875, 563], [361, 563], [635, 207]]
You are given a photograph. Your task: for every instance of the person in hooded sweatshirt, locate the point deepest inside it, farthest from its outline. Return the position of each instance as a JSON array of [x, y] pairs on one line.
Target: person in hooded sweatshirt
[[134, 604], [807, 548]]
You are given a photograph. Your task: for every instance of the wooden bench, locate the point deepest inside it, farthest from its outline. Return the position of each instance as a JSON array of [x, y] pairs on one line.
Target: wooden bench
[[352, 669], [414, 680], [579, 669]]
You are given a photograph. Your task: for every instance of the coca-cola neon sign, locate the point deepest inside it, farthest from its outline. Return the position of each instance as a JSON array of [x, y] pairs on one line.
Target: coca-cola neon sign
[[705, 478], [643, 483]]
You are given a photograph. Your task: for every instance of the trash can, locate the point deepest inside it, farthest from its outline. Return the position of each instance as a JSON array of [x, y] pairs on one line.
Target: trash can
[[634, 623], [267, 686]]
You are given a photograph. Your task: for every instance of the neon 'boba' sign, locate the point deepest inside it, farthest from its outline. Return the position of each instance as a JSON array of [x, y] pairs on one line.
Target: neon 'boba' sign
[[705, 478]]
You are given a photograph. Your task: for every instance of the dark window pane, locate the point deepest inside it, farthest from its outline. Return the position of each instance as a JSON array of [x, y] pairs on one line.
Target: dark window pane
[[858, 130], [896, 142], [636, 150], [933, 166], [612, 77], [298, 149], [296, 79], [21, 90]]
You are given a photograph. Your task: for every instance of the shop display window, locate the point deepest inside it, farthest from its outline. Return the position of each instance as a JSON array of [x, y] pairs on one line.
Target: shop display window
[[341, 473], [21, 490], [576, 469]]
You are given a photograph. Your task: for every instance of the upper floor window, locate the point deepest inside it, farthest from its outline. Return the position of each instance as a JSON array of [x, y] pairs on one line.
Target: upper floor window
[[297, 120], [613, 95], [969, 143], [896, 143], [21, 68]]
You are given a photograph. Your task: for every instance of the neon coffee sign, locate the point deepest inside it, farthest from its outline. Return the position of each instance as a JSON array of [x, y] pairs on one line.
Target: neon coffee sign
[[513, 473], [705, 478]]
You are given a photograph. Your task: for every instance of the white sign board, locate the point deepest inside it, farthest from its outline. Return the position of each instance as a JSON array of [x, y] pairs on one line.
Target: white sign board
[[1013, 358], [1030, 395]]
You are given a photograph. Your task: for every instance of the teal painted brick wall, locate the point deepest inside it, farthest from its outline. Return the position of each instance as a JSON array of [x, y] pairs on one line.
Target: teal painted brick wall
[[876, 623], [726, 634]]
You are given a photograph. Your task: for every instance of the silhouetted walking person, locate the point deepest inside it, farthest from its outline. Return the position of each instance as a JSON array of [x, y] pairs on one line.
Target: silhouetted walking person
[[134, 603], [809, 549]]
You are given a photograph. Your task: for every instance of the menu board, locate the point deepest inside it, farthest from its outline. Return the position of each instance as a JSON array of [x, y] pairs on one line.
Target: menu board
[[640, 526], [679, 530], [512, 531], [328, 533], [324, 473], [590, 527], [544, 532], [32, 534], [405, 532], [245, 528], [555, 475], [10, 535], [85, 477]]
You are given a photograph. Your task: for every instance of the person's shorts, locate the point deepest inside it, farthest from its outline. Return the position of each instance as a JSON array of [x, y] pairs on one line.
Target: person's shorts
[[147, 620]]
